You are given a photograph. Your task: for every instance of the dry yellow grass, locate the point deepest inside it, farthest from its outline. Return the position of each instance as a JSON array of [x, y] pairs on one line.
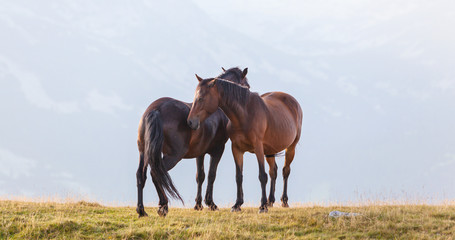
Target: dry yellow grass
[[83, 220]]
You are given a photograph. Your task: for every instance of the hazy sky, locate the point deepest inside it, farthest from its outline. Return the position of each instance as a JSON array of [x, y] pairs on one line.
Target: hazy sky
[[376, 80]]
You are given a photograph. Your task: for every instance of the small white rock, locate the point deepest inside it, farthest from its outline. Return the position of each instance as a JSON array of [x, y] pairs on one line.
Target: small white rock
[[342, 214]]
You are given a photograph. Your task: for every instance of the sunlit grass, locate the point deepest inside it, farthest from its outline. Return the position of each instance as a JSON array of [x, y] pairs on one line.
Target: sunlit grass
[[85, 220]]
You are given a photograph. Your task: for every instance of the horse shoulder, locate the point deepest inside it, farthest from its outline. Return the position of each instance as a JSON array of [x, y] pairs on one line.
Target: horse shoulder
[[218, 135]]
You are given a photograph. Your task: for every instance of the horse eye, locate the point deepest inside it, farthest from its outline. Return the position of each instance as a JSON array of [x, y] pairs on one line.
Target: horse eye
[[200, 99]]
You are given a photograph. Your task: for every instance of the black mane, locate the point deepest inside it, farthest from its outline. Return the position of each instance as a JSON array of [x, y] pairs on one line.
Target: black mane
[[235, 75], [232, 93]]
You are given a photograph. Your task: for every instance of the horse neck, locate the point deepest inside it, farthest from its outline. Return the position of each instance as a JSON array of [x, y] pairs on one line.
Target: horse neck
[[237, 114]]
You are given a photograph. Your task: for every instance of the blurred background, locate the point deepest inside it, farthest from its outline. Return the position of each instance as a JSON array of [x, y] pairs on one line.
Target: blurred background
[[376, 80]]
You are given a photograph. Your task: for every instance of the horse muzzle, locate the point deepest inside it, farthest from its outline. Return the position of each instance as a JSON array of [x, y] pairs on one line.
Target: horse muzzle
[[193, 123]]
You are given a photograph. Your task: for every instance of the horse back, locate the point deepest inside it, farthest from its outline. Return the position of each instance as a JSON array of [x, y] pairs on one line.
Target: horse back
[[171, 109], [173, 114], [277, 102]]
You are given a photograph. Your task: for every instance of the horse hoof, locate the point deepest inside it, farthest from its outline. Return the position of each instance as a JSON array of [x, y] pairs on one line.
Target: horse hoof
[[263, 209], [270, 204], [144, 214], [236, 209], [162, 211], [198, 207], [213, 207], [141, 212], [285, 204]]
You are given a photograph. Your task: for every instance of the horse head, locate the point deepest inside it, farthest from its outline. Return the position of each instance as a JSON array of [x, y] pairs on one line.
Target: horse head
[[206, 99]]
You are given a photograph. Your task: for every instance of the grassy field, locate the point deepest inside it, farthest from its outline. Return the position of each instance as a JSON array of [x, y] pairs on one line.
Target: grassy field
[[83, 220]]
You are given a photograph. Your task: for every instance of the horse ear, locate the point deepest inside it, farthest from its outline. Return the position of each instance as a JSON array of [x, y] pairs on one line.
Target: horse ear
[[245, 71], [224, 70], [198, 78], [211, 83]]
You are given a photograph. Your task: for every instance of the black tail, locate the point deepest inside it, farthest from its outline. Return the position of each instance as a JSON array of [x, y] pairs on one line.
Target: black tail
[[153, 139], [280, 154]]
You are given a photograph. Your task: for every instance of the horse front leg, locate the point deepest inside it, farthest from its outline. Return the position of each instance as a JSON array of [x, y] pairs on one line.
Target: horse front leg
[[273, 175], [238, 158], [200, 176], [214, 160], [259, 151]]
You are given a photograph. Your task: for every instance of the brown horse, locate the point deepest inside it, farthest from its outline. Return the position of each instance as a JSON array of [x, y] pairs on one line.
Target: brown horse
[[264, 125], [164, 139]]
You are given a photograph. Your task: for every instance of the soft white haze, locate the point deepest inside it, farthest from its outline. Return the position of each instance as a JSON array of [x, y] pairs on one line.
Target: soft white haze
[[376, 80]]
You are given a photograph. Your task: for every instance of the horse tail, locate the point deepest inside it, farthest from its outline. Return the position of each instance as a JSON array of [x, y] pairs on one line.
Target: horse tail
[[154, 138], [279, 154]]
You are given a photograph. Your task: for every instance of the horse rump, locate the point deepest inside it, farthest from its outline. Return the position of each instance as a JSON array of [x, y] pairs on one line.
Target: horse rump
[[153, 139]]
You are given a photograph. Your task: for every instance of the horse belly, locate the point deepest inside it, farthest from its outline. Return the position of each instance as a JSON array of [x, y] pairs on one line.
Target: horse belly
[[279, 136], [278, 144]]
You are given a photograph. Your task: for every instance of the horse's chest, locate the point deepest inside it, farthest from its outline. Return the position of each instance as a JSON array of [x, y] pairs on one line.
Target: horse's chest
[[241, 141]]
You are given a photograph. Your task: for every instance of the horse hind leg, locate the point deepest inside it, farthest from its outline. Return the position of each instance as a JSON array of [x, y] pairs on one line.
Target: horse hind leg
[[290, 152], [163, 207], [169, 162], [273, 175], [141, 177], [200, 176]]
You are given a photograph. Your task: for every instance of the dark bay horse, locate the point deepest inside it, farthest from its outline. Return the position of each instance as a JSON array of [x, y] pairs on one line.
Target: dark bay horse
[[165, 138], [264, 125]]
